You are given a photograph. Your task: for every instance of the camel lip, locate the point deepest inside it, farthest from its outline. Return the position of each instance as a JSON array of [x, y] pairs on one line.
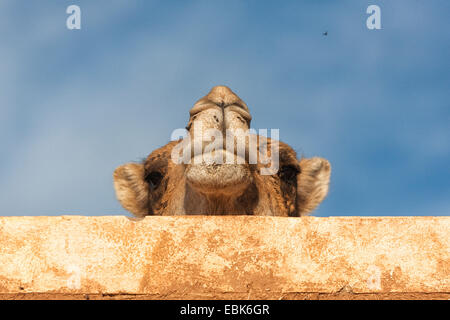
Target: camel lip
[[217, 157]]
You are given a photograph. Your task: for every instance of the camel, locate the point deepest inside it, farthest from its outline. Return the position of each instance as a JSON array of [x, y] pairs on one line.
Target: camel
[[164, 185]]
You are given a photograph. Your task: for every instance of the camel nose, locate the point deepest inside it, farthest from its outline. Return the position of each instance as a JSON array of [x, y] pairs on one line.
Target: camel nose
[[224, 98], [219, 115], [211, 117]]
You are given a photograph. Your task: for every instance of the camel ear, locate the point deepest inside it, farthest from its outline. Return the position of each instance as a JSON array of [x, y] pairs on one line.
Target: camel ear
[[131, 189], [312, 183]]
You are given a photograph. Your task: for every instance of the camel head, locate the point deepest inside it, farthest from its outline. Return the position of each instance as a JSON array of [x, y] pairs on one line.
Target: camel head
[[222, 167]]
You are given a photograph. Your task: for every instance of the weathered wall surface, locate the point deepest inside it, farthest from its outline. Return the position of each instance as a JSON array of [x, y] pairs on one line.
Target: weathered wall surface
[[238, 257]]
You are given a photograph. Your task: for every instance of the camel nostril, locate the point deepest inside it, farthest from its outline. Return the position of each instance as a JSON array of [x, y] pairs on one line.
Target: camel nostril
[[217, 119]]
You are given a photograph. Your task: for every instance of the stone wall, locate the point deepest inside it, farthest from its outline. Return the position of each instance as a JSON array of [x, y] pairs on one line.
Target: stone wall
[[235, 257]]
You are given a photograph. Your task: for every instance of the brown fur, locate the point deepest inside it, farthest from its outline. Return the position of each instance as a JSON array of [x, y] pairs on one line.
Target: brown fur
[[158, 186]]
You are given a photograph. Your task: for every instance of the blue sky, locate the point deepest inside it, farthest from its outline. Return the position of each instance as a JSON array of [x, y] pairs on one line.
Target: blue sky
[[76, 104]]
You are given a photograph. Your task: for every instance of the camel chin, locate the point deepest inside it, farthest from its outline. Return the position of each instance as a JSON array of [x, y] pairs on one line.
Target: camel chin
[[208, 174]]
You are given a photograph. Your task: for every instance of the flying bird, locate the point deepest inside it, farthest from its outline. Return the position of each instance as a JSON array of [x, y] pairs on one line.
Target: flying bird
[[325, 33]]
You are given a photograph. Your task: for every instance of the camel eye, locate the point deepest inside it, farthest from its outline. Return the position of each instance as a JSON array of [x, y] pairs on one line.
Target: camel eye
[[154, 179], [288, 173]]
